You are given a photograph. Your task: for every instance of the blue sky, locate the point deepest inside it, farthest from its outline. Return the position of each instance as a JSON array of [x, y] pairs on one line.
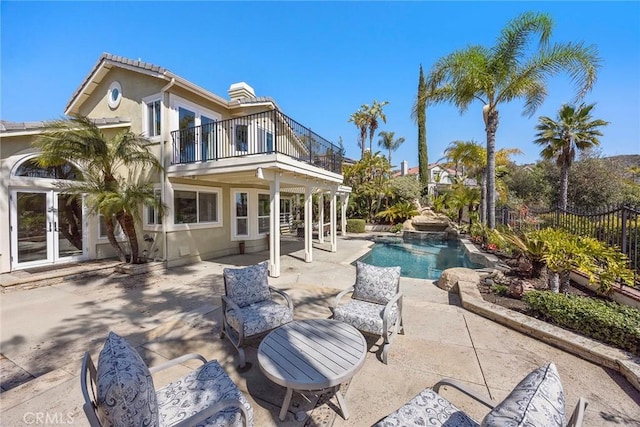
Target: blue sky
[[319, 60]]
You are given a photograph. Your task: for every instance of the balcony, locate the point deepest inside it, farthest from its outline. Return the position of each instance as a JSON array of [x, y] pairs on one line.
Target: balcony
[[256, 134]]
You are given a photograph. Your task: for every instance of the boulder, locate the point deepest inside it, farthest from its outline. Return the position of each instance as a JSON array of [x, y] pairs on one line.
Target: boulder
[[451, 276]]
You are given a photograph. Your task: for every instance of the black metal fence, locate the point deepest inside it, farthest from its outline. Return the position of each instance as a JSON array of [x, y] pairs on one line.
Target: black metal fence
[[616, 226], [261, 133]]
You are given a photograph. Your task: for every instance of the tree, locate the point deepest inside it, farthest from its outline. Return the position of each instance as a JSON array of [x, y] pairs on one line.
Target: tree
[[361, 120], [375, 113], [369, 178], [419, 113], [509, 70], [574, 130], [388, 142], [103, 161]]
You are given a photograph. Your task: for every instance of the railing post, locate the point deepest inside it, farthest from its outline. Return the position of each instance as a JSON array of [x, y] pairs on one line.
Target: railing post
[[624, 231], [275, 130]]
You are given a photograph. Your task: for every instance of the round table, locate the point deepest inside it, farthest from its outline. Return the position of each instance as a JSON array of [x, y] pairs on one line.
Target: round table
[[312, 355]]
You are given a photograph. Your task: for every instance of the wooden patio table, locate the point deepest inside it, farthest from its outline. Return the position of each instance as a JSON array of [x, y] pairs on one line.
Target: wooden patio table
[[312, 355]]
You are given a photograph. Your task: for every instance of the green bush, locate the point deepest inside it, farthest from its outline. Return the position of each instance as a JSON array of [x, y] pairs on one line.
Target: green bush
[[397, 228], [604, 321], [355, 226], [501, 290]]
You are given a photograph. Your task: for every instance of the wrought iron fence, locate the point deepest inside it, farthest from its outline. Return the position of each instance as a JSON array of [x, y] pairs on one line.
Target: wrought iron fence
[[261, 133], [616, 226]]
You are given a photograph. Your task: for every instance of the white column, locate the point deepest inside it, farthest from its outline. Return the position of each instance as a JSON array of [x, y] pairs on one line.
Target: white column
[[334, 222], [344, 198], [274, 225], [308, 226], [321, 217]]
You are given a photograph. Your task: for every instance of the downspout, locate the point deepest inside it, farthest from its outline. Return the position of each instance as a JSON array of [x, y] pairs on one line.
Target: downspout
[[163, 174]]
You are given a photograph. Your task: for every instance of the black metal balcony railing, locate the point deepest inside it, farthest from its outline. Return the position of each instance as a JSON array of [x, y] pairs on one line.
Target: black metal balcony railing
[[260, 133]]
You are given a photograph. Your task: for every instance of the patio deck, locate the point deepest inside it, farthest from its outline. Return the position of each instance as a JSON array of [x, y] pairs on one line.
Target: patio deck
[[46, 329]]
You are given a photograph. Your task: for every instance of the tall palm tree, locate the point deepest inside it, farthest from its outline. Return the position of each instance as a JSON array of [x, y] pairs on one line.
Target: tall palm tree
[[361, 119], [388, 142], [510, 70], [103, 161], [375, 113], [574, 129]]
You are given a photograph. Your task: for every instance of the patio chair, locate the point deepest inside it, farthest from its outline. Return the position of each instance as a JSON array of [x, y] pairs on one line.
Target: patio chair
[[538, 400], [120, 392], [248, 309], [375, 306]]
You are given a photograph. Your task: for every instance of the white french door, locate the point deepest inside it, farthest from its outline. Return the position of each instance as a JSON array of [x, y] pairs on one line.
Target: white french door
[[47, 227]]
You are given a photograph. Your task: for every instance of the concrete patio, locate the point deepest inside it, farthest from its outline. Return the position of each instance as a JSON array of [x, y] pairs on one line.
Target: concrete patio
[[45, 330]]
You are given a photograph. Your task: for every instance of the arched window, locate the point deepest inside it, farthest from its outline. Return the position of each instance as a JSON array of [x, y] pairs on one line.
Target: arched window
[[31, 169]]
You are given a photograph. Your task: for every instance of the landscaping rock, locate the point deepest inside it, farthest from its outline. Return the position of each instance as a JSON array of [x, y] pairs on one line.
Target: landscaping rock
[[518, 287], [451, 276]]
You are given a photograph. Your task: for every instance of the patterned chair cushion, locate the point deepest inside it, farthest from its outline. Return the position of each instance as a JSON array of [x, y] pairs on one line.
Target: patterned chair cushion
[[198, 390], [126, 395], [260, 317], [375, 284], [247, 285], [427, 409], [538, 400], [364, 316]]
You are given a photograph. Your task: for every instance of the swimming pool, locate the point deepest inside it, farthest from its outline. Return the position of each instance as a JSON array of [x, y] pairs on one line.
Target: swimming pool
[[420, 260]]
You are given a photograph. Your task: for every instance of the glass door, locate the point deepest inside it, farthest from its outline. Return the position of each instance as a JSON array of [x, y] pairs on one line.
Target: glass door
[[46, 228]]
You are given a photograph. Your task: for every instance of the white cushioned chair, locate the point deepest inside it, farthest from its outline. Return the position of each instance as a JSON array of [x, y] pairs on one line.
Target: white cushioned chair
[[248, 309], [120, 392], [537, 401], [375, 306]]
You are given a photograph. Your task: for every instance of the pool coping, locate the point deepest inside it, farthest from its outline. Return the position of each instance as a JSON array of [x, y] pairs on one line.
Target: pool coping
[[602, 354]]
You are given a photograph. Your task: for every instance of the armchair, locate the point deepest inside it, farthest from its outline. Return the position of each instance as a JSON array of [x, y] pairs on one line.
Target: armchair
[[376, 304], [538, 400], [248, 309], [120, 392]]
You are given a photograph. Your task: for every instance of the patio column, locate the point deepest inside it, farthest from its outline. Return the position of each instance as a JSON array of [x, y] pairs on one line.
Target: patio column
[[274, 226], [321, 217], [334, 222], [344, 198], [308, 226]]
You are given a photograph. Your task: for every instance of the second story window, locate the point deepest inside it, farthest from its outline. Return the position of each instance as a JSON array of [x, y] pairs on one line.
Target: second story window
[[242, 137], [153, 118]]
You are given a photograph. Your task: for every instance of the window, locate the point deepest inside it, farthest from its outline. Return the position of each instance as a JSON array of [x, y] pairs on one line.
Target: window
[[195, 207], [265, 141], [153, 217], [114, 95], [242, 137], [242, 214], [285, 211], [102, 227], [264, 208], [208, 138], [153, 118]]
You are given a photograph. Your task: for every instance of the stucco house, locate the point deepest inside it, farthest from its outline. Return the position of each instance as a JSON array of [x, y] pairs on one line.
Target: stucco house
[[233, 167], [440, 176]]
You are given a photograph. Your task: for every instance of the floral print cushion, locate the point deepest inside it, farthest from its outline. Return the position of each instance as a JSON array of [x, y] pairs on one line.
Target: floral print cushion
[[538, 400], [126, 395], [364, 316], [198, 390], [247, 285], [376, 284], [427, 409], [260, 317]]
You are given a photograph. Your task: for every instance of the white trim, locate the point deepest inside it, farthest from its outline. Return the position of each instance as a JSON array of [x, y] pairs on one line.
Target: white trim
[[234, 223], [172, 226], [145, 117], [146, 225], [176, 102], [258, 216], [114, 103]]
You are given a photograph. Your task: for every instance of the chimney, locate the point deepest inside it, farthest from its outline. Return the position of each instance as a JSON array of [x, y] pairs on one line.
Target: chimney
[[240, 90], [404, 168]]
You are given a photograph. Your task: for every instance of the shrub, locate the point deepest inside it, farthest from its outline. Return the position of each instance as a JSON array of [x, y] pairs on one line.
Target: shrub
[[500, 289], [355, 226], [605, 321], [397, 228]]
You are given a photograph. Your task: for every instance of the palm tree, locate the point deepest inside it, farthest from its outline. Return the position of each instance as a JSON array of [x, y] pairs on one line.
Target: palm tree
[[374, 114], [574, 129], [103, 161], [387, 141], [361, 119], [510, 70]]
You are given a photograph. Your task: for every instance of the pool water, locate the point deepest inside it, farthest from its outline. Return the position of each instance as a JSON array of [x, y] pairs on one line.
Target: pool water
[[420, 260]]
